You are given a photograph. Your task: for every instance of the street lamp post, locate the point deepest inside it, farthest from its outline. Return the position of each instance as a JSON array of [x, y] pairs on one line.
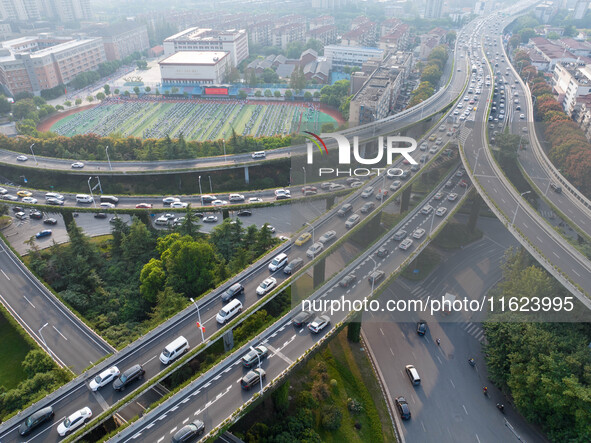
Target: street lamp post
[[200, 191], [199, 319], [210, 187], [375, 266], [91, 194], [515, 214], [224, 142], [32, 152], [312, 231], [259, 366], [108, 159]]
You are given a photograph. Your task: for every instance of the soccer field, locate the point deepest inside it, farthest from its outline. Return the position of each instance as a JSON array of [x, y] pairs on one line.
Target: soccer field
[[194, 119]]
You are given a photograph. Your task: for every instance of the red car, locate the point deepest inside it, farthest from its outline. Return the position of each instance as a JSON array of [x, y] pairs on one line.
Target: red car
[[144, 206], [309, 189], [464, 184]]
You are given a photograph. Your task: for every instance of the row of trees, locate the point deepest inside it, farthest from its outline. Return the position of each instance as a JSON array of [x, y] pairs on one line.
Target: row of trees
[[431, 73], [570, 151], [92, 146], [126, 285], [338, 95], [544, 367]]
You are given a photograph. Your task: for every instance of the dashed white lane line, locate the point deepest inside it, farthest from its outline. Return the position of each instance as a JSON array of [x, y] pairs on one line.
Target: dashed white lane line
[[185, 420], [29, 301], [576, 273], [5, 275], [160, 439], [465, 410], [173, 429], [62, 335], [555, 254], [149, 361]]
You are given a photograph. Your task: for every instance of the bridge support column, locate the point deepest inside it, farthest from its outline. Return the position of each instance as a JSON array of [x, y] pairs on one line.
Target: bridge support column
[[405, 199], [228, 340], [319, 273], [330, 202], [246, 177], [475, 211]]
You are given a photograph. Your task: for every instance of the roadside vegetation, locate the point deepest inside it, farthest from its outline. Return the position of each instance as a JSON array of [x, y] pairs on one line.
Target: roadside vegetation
[[431, 73], [334, 397], [126, 285], [545, 367]]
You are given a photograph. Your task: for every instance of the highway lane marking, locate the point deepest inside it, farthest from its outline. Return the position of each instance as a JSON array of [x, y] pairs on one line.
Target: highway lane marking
[[186, 400], [149, 361], [576, 273], [207, 385], [558, 256], [160, 439], [173, 429], [477, 438], [63, 336], [5, 275], [101, 400], [29, 301], [217, 377], [423, 425], [392, 352], [278, 353], [174, 408], [150, 425], [382, 331], [465, 410], [452, 383], [526, 226], [185, 420], [439, 360]]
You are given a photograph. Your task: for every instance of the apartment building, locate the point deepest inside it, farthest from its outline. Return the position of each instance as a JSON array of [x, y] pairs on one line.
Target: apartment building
[[363, 35], [323, 20], [123, 39], [433, 8], [292, 32], [33, 71], [571, 82], [326, 34], [63, 10], [375, 98], [233, 41], [340, 56]]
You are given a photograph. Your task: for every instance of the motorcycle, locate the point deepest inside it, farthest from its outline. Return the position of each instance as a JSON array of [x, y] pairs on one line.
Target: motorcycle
[[472, 362], [501, 407]]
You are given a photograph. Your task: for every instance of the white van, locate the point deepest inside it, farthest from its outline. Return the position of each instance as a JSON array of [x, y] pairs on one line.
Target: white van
[[84, 198], [175, 349], [278, 262], [229, 311], [259, 154]]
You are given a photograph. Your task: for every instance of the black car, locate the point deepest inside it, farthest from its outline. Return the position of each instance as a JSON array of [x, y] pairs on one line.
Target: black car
[[136, 372], [36, 215], [382, 252], [347, 280], [403, 409], [421, 327], [302, 318], [35, 419], [375, 276], [100, 215], [50, 221], [233, 291], [18, 209], [244, 213], [188, 432]]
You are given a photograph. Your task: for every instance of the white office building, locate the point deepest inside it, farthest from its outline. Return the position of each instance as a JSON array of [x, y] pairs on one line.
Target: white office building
[[340, 56], [195, 68]]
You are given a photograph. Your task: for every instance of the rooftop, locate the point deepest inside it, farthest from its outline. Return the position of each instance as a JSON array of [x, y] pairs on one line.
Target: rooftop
[[194, 58]]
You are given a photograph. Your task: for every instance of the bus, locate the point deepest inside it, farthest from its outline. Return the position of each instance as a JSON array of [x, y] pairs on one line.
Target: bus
[[474, 68]]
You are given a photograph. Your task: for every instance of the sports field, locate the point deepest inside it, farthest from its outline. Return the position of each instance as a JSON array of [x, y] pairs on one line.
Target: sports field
[[194, 119]]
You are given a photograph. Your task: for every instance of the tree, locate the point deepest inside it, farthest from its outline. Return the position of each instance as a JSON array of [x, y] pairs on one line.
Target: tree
[[297, 80], [270, 76], [450, 38], [89, 99], [24, 109], [116, 91], [68, 103], [4, 105], [268, 93], [431, 74], [152, 280], [174, 90], [258, 93], [141, 64], [107, 89], [59, 108], [242, 94], [147, 89], [252, 79], [37, 362], [316, 94], [281, 398], [78, 101], [288, 94], [100, 96], [136, 89], [308, 96], [277, 93]]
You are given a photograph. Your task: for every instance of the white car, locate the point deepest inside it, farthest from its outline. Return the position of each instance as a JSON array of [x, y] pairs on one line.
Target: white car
[[219, 203], [356, 184], [236, 197], [77, 165], [107, 205], [269, 227], [460, 173], [210, 219], [170, 200], [29, 200], [255, 200], [22, 158], [336, 187], [427, 209], [54, 195], [441, 211], [266, 285], [419, 233], [315, 249], [161, 221], [179, 205], [352, 221], [319, 323], [328, 236], [395, 185], [367, 192], [433, 150], [279, 192], [451, 197], [522, 116], [405, 244], [104, 378], [74, 421]]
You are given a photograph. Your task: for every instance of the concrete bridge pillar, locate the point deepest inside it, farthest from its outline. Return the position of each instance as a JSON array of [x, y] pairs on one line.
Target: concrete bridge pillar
[[405, 199], [246, 177]]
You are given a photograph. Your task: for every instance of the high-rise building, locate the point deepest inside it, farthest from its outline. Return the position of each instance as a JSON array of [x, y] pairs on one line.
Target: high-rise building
[[64, 10], [433, 8], [34, 70], [234, 41], [19, 10], [580, 9], [123, 39]]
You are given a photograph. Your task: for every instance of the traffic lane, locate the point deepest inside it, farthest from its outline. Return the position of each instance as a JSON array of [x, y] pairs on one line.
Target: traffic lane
[[30, 302], [549, 247]]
